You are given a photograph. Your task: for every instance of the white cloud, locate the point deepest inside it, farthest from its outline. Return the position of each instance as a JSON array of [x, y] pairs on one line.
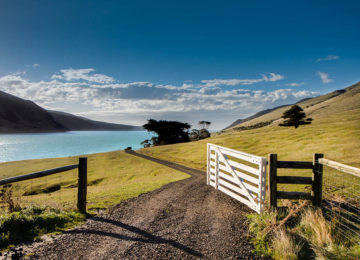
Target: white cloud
[[327, 58], [294, 84], [82, 74], [234, 82], [324, 77], [35, 65], [142, 100]]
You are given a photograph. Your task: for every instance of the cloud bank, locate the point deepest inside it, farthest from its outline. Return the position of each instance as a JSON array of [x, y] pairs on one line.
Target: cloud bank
[[100, 97]]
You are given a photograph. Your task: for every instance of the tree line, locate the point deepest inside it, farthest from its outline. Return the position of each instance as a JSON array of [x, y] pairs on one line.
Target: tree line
[[171, 132]]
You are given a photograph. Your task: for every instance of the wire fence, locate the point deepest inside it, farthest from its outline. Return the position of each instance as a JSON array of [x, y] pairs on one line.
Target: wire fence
[[57, 191], [341, 202]]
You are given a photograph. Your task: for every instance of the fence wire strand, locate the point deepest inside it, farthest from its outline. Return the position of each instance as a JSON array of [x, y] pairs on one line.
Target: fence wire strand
[[341, 194]]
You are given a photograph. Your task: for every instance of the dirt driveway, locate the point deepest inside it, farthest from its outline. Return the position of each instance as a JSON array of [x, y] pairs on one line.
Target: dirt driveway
[[182, 220]]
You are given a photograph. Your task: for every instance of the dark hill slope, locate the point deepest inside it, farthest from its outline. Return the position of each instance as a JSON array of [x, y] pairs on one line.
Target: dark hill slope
[[77, 123], [18, 115], [23, 116]]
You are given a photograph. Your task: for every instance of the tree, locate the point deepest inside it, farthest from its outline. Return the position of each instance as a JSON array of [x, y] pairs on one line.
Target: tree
[[295, 116], [204, 124], [196, 135], [168, 132]]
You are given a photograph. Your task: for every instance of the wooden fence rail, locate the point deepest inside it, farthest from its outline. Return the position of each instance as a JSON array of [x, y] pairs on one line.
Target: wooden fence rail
[[315, 181], [340, 167], [82, 179]]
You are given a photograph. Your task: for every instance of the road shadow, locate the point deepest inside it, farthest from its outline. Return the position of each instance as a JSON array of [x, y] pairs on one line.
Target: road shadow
[[172, 165], [146, 236]]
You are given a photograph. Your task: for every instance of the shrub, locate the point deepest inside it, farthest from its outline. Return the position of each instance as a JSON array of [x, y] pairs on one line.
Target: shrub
[[30, 223], [196, 135], [259, 224]]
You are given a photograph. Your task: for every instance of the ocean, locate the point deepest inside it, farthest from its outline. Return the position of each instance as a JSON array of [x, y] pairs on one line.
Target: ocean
[[14, 147]]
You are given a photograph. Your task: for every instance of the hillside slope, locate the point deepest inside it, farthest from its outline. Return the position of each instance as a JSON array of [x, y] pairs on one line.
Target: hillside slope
[[18, 115], [77, 123], [334, 132], [313, 107], [23, 116]]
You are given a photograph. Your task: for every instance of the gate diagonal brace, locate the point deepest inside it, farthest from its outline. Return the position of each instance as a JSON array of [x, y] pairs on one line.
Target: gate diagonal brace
[[236, 177]]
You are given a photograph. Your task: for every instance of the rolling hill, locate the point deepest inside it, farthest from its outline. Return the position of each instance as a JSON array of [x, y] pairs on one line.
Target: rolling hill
[[77, 123], [313, 107], [334, 132], [18, 115], [23, 116]]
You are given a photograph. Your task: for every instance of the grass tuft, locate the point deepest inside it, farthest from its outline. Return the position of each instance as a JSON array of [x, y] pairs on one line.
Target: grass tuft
[[32, 222], [309, 236], [284, 246]]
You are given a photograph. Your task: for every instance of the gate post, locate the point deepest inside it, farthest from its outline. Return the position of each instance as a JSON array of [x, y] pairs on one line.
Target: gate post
[[317, 176], [272, 180], [82, 184], [217, 168]]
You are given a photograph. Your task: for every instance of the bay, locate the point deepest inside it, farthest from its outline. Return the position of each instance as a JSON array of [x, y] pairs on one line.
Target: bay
[[15, 147]]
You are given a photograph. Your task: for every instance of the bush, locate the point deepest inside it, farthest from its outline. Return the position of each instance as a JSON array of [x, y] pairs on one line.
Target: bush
[[258, 226], [30, 223], [196, 135]]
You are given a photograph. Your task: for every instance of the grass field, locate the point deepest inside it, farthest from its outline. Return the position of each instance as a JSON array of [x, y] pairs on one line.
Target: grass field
[[334, 132], [112, 177]]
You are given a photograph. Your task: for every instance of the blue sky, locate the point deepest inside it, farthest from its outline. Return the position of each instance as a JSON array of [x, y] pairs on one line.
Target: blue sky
[[128, 61]]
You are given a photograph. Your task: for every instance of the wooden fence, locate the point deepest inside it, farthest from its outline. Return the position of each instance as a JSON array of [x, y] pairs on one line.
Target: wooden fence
[[82, 179], [315, 181], [239, 175]]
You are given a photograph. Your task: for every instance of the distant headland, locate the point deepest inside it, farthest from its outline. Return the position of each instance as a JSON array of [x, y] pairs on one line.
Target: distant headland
[[18, 115]]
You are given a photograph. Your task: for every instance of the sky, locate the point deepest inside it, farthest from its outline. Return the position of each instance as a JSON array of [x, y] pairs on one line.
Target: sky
[[218, 61]]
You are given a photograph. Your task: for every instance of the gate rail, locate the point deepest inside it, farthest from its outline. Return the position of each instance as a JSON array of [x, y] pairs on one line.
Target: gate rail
[[240, 175]]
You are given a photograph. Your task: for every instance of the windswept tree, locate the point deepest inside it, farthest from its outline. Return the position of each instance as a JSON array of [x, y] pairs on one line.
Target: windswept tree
[[204, 124], [168, 132], [295, 116]]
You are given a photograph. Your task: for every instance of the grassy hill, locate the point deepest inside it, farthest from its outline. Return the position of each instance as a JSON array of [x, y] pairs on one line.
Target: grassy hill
[[335, 132], [339, 100]]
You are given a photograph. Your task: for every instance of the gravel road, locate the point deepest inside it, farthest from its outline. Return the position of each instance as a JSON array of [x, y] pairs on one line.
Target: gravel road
[[185, 219]]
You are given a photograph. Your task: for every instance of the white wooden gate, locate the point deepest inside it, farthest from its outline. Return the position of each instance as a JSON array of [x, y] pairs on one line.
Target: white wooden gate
[[239, 175]]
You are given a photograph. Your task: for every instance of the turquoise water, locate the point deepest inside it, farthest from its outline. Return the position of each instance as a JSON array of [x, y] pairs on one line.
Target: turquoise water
[[15, 147]]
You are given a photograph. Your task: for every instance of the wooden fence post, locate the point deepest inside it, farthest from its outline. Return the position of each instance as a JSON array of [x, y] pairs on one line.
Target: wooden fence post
[[317, 176], [272, 180], [82, 185]]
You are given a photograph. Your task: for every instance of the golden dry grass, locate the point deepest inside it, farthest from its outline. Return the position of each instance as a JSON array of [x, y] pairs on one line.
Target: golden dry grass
[[284, 246], [112, 177]]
